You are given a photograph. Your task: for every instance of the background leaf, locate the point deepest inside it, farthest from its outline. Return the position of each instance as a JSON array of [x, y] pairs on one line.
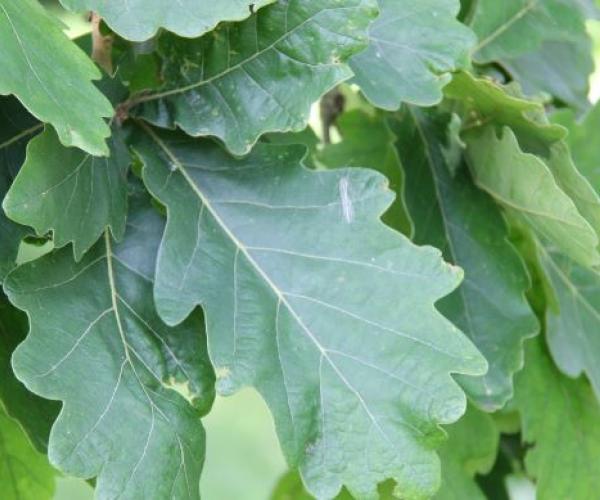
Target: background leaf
[[140, 19]]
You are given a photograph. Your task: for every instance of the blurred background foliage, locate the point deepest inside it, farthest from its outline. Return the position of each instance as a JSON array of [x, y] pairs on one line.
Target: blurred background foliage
[[243, 460]]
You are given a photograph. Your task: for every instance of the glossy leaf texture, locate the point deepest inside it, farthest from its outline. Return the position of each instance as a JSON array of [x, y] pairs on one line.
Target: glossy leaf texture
[[312, 300], [368, 142], [34, 414], [261, 75], [132, 389], [140, 19], [16, 128], [560, 418], [470, 450], [25, 474], [51, 76], [414, 47], [450, 213], [71, 193]]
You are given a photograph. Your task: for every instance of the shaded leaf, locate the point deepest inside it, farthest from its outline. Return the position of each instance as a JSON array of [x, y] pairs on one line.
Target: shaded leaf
[[572, 329], [71, 193], [296, 275], [512, 28], [451, 214], [471, 449], [16, 128], [414, 47], [368, 142], [34, 414], [525, 186], [51, 76], [141, 19], [261, 75], [97, 344], [560, 418], [25, 474]]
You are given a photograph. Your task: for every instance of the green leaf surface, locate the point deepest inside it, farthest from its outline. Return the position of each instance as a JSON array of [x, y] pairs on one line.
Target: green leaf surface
[[450, 213], [471, 449], [368, 142], [298, 277], [511, 28], [25, 474], [51, 76], [258, 76], [128, 383], [414, 47], [583, 142], [34, 414], [140, 19], [16, 128], [560, 418], [572, 329], [485, 101], [71, 193], [525, 186]]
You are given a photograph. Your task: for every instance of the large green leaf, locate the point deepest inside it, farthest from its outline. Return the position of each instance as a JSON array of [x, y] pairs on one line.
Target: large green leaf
[[471, 449], [71, 193], [35, 414], [316, 303], [368, 142], [511, 28], [414, 47], [16, 128], [450, 213], [25, 474], [141, 19], [573, 328], [51, 76], [525, 186], [128, 383], [261, 75], [560, 418]]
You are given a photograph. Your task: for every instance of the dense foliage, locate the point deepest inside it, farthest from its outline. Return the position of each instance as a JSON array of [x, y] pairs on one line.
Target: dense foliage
[[414, 290]]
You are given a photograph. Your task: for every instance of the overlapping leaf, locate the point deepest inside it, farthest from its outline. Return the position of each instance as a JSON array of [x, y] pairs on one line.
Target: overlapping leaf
[[368, 142], [524, 185], [34, 414], [471, 449], [16, 128], [560, 418], [261, 75], [573, 328], [25, 474], [97, 344], [453, 215], [51, 76], [315, 302], [71, 193], [414, 46], [141, 19]]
